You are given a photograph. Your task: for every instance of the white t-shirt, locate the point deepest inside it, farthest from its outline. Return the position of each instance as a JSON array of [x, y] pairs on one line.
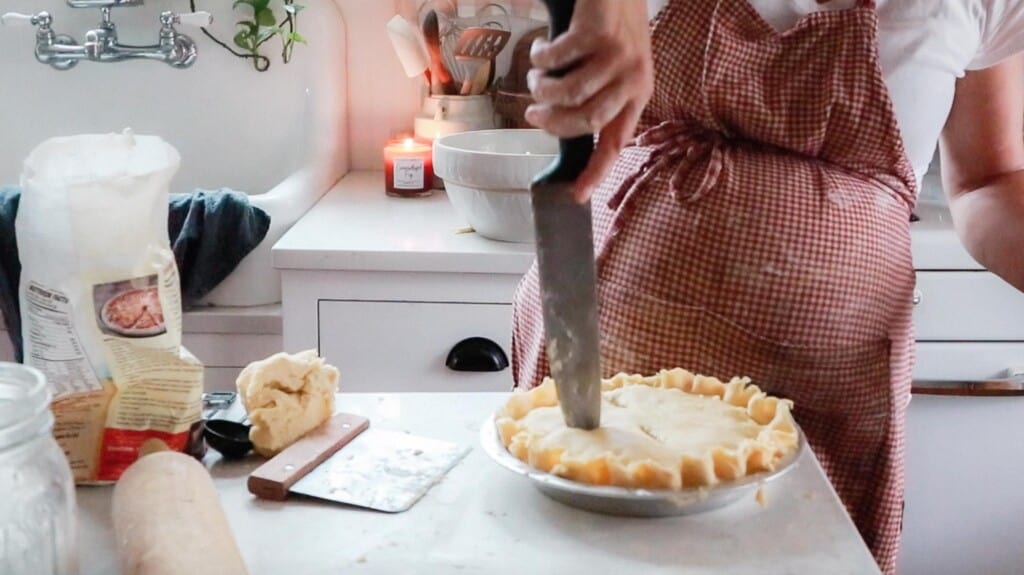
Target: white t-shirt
[[924, 46]]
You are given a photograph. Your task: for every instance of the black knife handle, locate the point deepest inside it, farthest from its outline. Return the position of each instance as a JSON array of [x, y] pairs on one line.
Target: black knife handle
[[560, 14], [575, 152]]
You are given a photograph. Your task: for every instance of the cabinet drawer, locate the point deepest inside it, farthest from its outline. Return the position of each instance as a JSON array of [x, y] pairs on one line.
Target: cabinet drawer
[[967, 306], [382, 346], [231, 350], [967, 360]]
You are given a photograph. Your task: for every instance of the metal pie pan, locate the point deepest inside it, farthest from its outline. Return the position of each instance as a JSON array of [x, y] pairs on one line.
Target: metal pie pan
[[634, 502]]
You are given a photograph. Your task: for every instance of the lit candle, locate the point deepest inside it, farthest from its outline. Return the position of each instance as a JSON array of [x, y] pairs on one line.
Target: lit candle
[[409, 168]]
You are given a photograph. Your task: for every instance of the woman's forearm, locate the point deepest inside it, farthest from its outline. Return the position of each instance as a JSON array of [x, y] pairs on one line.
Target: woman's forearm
[[990, 222]]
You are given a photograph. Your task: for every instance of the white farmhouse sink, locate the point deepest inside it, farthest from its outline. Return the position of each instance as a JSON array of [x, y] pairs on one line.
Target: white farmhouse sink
[[280, 136]]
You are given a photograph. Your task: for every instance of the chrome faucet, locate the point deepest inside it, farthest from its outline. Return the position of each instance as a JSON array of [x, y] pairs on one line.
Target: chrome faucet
[[101, 44]]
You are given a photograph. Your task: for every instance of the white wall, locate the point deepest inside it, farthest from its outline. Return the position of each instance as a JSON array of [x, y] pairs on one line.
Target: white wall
[[383, 101], [253, 124], [233, 127]]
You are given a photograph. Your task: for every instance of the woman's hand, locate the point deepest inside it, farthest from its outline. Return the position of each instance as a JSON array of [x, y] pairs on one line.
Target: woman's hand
[[609, 42]]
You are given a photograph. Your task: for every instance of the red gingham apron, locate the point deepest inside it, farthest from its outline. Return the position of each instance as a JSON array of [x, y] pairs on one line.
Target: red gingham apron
[[760, 226]]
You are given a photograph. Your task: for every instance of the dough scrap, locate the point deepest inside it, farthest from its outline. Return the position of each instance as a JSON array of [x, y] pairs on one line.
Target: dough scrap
[[286, 397]]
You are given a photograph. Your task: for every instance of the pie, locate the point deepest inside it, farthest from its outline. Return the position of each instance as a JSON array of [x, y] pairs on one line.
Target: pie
[[673, 430], [135, 312]]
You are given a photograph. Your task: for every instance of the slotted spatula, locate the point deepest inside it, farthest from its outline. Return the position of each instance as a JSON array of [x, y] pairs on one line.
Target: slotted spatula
[[479, 46]]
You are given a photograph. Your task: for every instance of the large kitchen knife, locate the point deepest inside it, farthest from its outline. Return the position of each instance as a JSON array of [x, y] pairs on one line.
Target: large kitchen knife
[[565, 260]]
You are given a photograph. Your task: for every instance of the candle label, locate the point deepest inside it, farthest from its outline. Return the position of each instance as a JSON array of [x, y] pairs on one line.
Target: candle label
[[409, 174]]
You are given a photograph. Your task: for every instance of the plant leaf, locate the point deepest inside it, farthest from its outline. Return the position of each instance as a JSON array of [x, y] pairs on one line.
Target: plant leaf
[[249, 27], [296, 37], [294, 8], [241, 3], [260, 5], [243, 40], [266, 33], [266, 18]]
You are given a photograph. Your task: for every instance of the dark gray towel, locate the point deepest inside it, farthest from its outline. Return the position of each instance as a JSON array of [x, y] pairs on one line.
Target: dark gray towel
[[210, 233], [10, 266]]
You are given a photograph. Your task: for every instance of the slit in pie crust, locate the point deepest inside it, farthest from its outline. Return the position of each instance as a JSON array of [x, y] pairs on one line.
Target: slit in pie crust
[[672, 430]]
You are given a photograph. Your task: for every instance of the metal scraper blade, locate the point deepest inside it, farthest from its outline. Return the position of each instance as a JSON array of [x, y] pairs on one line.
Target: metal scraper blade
[[384, 470], [565, 262]]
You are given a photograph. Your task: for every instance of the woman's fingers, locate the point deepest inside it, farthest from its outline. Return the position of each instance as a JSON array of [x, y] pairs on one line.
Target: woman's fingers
[[607, 50], [576, 88], [589, 118], [564, 51], [614, 137]]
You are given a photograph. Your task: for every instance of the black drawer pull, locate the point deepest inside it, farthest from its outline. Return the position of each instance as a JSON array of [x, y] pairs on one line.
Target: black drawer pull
[[477, 354]]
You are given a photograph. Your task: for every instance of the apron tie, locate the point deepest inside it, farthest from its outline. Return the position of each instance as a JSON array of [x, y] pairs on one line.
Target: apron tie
[[682, 145]]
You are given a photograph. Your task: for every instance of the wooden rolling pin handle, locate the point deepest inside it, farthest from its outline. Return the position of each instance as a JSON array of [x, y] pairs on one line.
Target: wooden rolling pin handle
[[168, 520]]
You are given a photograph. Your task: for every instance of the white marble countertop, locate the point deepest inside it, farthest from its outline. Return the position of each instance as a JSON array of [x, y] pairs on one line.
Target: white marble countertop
[[484, 519], [356, 227]]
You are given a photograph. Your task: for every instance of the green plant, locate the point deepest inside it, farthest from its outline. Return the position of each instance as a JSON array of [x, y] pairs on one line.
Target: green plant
[[261, 25]]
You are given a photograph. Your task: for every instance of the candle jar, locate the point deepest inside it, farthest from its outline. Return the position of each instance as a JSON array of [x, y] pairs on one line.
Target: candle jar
[[408, 168]]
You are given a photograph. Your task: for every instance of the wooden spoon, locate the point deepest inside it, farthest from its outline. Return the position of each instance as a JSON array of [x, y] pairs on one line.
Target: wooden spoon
[[440, 78]]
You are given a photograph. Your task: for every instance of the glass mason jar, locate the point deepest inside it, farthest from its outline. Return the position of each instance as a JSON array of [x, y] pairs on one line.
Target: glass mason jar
[[37, 505]]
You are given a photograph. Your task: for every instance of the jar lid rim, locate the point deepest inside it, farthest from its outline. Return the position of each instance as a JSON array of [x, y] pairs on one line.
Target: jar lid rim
[[24, 403]]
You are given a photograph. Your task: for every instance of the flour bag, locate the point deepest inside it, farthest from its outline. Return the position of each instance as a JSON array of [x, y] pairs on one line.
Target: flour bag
[[101, 300]]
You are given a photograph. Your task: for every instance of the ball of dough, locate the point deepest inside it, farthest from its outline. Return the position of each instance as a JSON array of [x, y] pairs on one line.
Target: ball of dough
[[286, 396]]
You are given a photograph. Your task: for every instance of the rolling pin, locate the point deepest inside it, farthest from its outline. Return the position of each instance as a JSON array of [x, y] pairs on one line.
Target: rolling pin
[[168, 520]]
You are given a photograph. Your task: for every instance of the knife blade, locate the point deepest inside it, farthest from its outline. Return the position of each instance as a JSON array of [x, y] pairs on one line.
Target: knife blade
[[565, 262]]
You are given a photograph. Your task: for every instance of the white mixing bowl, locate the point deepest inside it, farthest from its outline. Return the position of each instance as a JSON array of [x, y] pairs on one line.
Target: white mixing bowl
[[487, 175]]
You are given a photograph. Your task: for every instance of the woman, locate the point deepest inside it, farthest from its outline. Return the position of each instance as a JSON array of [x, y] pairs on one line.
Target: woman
[[759, 223]]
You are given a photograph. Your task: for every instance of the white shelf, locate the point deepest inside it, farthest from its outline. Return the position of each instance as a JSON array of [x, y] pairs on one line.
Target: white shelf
[[356, 227]]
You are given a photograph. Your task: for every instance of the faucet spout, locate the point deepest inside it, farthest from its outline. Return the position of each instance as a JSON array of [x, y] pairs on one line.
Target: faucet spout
[[101, 44]]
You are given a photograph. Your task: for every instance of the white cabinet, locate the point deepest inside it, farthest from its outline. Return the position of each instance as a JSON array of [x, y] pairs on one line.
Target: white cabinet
[[404, 346], [964, 500], [967, 306], [964, 454], [393, 331], [386, 287]]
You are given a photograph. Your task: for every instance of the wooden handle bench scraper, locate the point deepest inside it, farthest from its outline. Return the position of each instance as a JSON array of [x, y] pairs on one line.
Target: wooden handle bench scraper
[[344, 461]]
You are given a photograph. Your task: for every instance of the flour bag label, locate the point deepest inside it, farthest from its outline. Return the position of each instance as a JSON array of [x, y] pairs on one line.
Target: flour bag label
[[101, 300]]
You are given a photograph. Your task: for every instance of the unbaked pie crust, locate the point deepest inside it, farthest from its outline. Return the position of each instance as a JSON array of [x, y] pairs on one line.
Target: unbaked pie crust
[[673, 430]]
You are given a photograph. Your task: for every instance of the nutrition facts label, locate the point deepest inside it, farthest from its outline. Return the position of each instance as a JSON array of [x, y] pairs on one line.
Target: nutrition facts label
[[52, 345]]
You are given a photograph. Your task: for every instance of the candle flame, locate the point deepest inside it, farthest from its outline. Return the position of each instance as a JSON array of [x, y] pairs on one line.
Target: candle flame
[[409, 143]]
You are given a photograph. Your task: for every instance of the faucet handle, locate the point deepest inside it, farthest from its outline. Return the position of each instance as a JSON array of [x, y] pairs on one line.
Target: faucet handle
[[18, 19], [103, 3], [197, 19]]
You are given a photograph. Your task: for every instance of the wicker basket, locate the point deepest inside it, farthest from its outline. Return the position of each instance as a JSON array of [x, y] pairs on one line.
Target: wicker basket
[[513, 96], [511, 107]]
